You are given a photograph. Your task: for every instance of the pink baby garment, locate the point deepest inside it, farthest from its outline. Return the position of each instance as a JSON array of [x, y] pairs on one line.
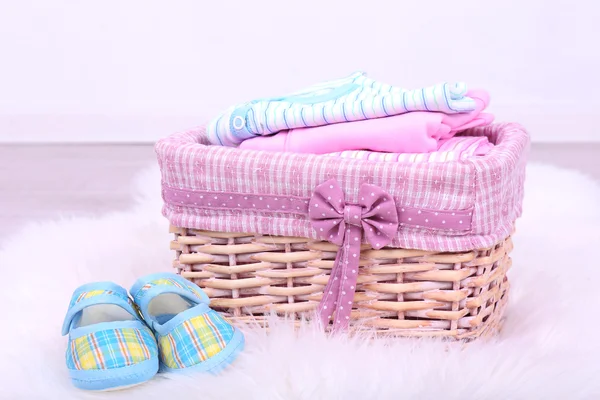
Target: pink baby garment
[[414, 132], [458, 148]]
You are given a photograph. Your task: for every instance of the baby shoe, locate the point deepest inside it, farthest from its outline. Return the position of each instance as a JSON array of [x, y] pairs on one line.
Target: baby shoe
[[190, 335], [109, 345]]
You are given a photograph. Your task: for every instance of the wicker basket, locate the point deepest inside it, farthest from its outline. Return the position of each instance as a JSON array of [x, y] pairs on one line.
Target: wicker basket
[[445, 279], [407, 292]]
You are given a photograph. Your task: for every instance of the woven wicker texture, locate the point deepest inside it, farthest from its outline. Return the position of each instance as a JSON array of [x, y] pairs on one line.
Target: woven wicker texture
[[400, 292]]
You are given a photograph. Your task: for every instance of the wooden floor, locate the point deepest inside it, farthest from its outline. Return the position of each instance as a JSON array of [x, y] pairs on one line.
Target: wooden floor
[[43, 182]]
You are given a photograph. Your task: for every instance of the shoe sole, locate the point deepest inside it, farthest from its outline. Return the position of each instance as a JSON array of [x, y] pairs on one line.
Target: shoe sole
[[115, 379]]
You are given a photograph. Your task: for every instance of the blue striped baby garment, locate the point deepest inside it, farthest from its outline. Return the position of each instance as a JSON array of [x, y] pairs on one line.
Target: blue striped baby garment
[[353, 98]]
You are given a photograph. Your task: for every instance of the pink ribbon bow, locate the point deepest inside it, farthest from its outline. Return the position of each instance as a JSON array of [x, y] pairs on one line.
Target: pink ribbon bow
[[343, 224]]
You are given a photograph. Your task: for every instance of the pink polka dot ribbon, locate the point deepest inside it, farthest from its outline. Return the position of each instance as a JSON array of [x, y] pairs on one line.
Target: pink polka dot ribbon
[[343, 224]]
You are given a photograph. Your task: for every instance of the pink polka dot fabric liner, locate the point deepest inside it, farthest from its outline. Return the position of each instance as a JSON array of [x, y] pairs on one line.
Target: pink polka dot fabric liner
[[449, 206]]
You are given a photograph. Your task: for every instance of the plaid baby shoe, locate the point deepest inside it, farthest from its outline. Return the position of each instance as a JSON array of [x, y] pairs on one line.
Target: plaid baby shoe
[[109, 345], [190, 335]]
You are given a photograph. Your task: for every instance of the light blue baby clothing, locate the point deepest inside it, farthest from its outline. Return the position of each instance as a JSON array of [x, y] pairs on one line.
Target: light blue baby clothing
[[353, 98]]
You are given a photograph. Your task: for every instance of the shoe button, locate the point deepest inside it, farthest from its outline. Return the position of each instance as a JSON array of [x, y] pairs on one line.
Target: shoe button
[[238, 122]]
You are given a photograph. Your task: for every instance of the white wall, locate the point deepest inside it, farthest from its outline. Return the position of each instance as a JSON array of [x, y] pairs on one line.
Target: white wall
[[124, 70]]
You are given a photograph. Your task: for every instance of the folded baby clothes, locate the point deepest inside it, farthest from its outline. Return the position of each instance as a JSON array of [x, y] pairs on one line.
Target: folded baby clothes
[[458, 148], [413, 132], [354, 98]]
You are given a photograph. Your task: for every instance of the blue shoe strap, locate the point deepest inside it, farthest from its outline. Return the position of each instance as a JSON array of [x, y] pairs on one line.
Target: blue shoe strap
[[178, 319], [148, 287], [93, 294], [143, 301]]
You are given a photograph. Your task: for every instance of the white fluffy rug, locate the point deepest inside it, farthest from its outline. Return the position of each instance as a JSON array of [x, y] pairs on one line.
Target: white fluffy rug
[[549, 348]]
